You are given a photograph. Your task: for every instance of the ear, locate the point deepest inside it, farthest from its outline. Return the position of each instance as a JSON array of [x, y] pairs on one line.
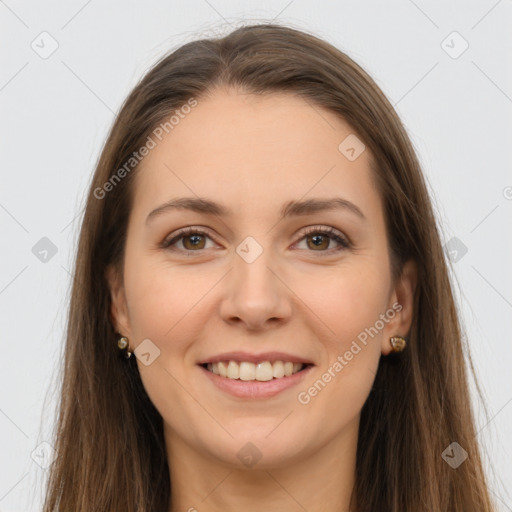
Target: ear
[[118, 307], [402, 303]]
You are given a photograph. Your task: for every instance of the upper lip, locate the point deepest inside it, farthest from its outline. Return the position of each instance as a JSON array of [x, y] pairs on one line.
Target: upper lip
[[255, 358]]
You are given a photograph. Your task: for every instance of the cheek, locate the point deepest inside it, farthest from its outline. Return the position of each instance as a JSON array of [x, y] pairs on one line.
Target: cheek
[[153, 307], [152, 301], [347, 301], [163, 301], [349, 308], [164, 304]]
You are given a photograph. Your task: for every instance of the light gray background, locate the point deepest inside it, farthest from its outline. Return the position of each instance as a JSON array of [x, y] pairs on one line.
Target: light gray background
[[55, 113]]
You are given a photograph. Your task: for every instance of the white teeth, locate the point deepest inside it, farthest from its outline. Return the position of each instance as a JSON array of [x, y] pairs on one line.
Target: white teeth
[[278, 369], [264, 371], [246, 371], [223, 369], [233, 370]]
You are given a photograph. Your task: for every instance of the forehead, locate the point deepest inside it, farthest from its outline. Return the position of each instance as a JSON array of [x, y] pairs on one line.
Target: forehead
[[267, 148]]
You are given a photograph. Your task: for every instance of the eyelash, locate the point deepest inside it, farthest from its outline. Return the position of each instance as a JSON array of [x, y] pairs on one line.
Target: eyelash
[[333, 234]]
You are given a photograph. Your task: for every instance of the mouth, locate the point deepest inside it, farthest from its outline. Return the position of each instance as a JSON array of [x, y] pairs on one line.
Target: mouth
[[252, 381], [259, 372]]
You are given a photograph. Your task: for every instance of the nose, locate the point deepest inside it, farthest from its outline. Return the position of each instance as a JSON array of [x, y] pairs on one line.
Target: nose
[[256, 295]]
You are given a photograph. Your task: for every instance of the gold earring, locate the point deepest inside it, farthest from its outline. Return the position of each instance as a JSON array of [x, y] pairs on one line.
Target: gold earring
[[122, 343], [398, 343]]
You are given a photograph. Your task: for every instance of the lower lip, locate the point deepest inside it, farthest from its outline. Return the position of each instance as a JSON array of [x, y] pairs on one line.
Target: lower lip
[[254, 388]]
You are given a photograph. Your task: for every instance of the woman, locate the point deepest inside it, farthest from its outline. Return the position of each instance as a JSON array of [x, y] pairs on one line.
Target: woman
[[259, 234]]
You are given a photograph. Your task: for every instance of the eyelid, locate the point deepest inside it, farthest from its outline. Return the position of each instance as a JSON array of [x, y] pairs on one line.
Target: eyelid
[[339, 237], [334, 234], [183, 232]]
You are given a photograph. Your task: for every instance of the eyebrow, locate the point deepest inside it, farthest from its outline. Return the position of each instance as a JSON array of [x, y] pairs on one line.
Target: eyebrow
[[290, 209]]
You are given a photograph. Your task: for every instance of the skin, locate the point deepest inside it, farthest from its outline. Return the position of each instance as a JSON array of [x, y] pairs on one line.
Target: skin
[[253, 154]]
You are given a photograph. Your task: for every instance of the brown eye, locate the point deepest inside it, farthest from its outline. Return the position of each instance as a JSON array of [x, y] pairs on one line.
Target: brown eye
[[188, 240], [196, 242], [318, 241]]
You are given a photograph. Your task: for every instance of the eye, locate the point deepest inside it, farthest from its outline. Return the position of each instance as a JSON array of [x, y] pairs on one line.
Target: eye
[[192, 240], [319, 238]]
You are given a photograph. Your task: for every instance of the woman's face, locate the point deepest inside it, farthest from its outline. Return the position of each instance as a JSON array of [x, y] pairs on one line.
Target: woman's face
[[259, 280]]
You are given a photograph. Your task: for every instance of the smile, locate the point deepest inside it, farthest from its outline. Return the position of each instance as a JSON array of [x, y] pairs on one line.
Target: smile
[[248, 371], [262, 380]]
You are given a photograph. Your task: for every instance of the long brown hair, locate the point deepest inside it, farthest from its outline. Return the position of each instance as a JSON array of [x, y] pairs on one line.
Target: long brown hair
[[109, 436]]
